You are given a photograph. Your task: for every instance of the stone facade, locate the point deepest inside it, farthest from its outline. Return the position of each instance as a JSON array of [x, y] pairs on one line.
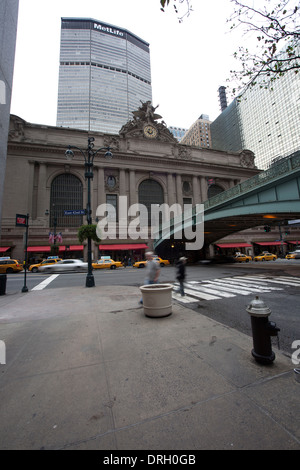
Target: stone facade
[[144, 150]]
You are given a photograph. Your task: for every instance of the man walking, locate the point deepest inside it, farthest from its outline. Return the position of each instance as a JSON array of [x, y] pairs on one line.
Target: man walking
[[180, 274], [152, 270]]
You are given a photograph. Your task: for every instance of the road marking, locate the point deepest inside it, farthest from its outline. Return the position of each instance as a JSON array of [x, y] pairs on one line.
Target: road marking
[[231, 287], [44, 283], [251, 283], [209, 290], [246, 286]]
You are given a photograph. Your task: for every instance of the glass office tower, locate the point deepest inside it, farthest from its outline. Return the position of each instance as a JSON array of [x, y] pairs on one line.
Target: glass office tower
[[264, 121], [104, 75]]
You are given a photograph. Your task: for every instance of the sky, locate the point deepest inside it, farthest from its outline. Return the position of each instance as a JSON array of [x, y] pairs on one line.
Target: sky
[[189, 60]]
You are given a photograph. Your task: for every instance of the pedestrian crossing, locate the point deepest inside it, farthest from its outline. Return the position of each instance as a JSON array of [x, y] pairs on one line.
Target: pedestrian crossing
[[228, 287]]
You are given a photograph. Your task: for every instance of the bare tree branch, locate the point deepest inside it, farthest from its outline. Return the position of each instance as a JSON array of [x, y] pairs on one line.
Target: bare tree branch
[[189, 8], [278, 27]]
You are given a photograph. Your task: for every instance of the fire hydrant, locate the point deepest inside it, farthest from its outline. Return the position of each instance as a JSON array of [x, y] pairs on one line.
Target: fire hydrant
[[262, 330]]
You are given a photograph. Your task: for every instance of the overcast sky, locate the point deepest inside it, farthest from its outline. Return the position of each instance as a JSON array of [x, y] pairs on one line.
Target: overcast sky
[[189, 61]]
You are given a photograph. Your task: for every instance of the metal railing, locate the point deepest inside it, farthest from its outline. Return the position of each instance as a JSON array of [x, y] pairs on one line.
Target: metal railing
[[285, 166], [280, 168]]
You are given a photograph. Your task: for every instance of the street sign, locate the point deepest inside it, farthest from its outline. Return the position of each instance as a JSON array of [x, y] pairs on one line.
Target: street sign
[[21, 220], [75, 212]]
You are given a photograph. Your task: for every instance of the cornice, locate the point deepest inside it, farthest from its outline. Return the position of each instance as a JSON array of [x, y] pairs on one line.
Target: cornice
[[158, 160]]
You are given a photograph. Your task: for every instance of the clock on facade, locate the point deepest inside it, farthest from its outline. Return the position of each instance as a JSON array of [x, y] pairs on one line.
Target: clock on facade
[[150, 131]]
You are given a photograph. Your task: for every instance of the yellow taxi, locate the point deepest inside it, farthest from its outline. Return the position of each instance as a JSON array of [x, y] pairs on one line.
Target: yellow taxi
[[142, 264], [34, 267], [293, 255], [8, 265], [290, 256], [265, 257], [107, 263], [240, 258]]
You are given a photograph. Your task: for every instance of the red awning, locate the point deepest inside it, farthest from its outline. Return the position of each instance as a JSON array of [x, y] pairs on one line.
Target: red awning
[[38, 249], [71, 248], [293, 242], [233, 245], [269, 243], [133, 246], [4, 248]]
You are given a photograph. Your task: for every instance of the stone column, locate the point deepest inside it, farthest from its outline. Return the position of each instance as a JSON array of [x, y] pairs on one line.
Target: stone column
[[203, 189], [122, 205], [42, 191], [30, 189], [101, 187], [94, 191], [179, 190], [133, 197], [122, 177], [171, 195], [196, 190]]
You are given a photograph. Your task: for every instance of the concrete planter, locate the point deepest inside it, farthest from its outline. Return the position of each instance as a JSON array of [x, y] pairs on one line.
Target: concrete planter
[[157, 299]]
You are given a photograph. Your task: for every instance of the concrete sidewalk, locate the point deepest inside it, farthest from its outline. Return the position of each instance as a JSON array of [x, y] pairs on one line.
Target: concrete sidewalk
[[85, 369]]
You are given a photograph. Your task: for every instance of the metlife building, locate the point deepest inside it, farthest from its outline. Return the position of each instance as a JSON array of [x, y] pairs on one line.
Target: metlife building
[[104, 75]]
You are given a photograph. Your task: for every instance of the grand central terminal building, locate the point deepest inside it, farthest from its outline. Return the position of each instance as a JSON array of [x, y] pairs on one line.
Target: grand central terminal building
[[148, 166]]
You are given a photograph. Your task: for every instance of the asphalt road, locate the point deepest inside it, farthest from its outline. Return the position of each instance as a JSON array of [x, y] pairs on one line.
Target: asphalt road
[[284, 302]]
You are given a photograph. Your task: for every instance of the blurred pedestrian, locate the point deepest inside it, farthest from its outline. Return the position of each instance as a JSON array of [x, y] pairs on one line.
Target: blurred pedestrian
[[152, 270], [180, 274]]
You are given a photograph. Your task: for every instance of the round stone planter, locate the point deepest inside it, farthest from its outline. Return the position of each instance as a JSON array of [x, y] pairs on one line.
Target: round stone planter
[[157, 299]]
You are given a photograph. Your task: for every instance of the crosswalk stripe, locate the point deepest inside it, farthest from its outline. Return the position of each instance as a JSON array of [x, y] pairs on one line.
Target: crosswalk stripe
[[44, 283], [248, 282], [195, 294], [287, 283], [212, 291], [226, 287], [231, 287], [291, 279], [275, 281], [249, 286], [185, 299]]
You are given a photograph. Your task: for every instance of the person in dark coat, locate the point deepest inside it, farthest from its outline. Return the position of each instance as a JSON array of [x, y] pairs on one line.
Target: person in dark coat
[[180, 274]]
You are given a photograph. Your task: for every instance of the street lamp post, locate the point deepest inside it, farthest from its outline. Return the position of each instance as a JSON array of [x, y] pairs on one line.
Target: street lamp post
[[89, 156]]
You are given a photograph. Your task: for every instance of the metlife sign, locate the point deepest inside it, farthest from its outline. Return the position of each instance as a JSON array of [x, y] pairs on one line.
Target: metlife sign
[[109, 29]]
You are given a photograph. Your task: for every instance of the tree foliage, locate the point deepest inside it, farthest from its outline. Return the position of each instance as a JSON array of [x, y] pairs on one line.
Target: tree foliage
[[88, 231], [277, 49], [187, 3]]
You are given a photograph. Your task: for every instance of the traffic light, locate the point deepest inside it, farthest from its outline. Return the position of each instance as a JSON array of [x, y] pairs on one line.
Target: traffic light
[[267, 228]]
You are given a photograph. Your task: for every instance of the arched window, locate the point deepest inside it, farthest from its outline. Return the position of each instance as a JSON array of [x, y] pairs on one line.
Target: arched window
[[66, 194], [150, 192], [213, 190]]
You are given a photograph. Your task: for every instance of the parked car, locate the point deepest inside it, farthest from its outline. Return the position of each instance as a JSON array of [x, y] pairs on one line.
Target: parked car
[[65, 265], [107, 263], [8, 265], [142, 264], [46, 262], [240, 258], [265, 257]]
